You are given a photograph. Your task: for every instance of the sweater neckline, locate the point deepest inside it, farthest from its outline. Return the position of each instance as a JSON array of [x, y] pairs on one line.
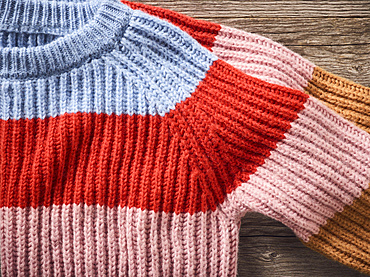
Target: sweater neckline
[[88, 30]]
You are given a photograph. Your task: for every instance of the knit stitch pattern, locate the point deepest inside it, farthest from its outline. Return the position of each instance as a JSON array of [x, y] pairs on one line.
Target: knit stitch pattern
[[128, 149], [270, 61]]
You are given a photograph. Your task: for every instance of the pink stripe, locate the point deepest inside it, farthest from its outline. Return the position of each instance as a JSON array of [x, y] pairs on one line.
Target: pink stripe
[[6, 265], [155, 242], [21, 252], [190, 228], [67, 239], [262, 58], [56, 239], [167, 266], [33, 244], [215, 247], [123, 241], [78, 240], [182, 242], [102, 241], [269, 69], [90, 240], [113, 242], [202, 251], [131, 243], [46, 251], [320, 166], [177, 249], [224, 263]]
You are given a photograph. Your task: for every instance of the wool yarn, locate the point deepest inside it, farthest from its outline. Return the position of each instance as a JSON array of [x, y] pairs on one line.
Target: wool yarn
[[128, 149]]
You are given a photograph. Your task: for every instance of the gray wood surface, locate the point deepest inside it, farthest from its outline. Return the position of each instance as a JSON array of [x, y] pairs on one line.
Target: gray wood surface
[[334, 35]]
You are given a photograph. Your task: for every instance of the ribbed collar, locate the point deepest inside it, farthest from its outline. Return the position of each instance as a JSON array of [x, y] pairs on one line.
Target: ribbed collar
[[88, 29]]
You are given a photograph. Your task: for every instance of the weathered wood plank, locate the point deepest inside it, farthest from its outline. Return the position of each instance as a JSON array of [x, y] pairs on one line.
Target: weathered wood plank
[[269, 248], [348, 61], [255, 224], [284, 256], [266, 8]]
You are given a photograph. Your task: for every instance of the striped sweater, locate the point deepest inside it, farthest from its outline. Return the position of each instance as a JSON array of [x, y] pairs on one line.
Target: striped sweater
[[129, 149]]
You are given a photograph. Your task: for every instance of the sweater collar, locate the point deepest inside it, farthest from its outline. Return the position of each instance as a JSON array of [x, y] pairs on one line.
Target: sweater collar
[[88, 29]]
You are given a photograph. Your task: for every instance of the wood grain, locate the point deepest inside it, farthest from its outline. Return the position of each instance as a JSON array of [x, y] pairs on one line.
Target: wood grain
[[269, 248], [334, 35], [348, 61], [210, 9]]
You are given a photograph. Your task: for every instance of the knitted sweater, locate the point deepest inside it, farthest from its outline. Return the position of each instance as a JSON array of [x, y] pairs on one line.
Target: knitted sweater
[[128, 149]]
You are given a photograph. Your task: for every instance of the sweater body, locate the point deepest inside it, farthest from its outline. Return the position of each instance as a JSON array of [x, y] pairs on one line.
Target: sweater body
[[128, 149]]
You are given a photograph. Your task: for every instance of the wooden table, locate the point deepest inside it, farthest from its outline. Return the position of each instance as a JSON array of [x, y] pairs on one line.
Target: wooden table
[[334, 35]]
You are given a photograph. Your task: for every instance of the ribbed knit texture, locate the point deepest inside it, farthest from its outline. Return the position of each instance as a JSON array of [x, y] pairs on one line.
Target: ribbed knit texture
[[128, 149], [270, 61]]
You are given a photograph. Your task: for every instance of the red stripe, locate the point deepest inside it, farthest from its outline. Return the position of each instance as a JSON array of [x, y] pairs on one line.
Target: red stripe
[[203, 31], [185, 161]]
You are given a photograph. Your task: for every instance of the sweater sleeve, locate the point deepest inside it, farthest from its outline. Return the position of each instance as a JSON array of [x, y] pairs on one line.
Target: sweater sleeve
[[283, 153], [280, 153], [249, 145]]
